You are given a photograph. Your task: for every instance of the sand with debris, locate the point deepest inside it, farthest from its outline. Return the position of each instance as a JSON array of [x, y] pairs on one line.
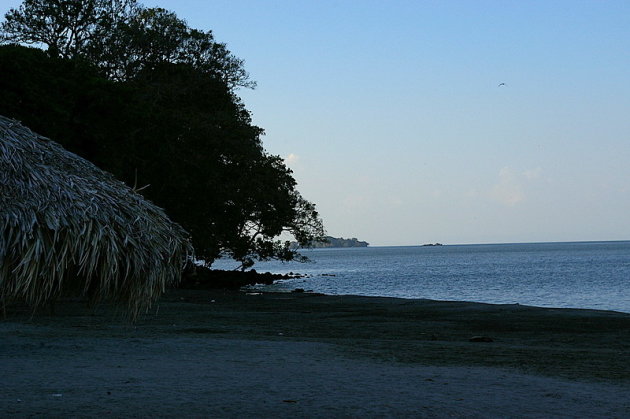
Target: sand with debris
[[228, 354]]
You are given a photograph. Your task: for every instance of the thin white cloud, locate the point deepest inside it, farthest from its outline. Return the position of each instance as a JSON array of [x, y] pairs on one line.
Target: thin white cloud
[[510, 188], [353, 203], [291, 159], [508, 191], [395, 202], [471, 193], [532, 174]]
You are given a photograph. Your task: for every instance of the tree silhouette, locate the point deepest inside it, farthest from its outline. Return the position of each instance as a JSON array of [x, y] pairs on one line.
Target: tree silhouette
[[144, 96]]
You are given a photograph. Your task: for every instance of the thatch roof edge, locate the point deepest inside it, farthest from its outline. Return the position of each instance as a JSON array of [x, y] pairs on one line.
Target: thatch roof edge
[[67, 226]]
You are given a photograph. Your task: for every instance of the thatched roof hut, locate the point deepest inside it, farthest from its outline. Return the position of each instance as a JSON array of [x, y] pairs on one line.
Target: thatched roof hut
[[67, 227]]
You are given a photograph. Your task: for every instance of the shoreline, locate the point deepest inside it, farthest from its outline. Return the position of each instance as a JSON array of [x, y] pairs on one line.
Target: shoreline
[[229, 354], [255, 289]]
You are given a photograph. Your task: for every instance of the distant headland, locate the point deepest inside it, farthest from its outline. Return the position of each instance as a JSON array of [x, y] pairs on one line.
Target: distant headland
[[341, 242], [331, 242]]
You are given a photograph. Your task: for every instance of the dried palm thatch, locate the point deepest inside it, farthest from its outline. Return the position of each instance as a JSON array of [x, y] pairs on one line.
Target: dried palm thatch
[[67, 227]]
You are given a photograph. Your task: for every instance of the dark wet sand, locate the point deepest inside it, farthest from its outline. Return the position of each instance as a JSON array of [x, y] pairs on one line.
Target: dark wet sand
[[558, 342], [228, 354]]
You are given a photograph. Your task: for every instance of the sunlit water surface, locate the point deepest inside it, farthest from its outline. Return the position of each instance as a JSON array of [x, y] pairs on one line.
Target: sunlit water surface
[[580, 275]]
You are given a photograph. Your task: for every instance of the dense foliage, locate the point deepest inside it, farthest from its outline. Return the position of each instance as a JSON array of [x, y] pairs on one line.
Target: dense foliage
[[142, 95]]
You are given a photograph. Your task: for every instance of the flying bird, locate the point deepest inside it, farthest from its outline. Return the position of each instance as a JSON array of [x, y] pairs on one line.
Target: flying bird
[[502, 84]]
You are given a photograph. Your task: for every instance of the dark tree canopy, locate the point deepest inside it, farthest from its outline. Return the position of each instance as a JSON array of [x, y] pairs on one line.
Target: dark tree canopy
[[163, 117], [121, 37], [66, 27]]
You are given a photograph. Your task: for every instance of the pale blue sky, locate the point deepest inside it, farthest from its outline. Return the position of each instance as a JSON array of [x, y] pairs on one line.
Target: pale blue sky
[[390, 113]]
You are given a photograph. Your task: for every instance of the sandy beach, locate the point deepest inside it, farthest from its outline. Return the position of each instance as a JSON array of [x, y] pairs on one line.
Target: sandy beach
[[229, 354]]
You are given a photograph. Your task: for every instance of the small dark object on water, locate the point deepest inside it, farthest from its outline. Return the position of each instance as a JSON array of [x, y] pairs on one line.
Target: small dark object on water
[[480, 339], [298, 290]]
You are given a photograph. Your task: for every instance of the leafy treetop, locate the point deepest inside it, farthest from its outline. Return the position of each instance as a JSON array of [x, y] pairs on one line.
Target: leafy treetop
[[120, 36]]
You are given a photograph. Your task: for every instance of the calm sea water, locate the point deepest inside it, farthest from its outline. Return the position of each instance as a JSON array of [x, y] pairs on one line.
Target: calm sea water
[[580, 275]]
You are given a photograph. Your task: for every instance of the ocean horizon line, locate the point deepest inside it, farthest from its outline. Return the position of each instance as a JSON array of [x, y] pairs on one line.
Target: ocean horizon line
[[495, 243]]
